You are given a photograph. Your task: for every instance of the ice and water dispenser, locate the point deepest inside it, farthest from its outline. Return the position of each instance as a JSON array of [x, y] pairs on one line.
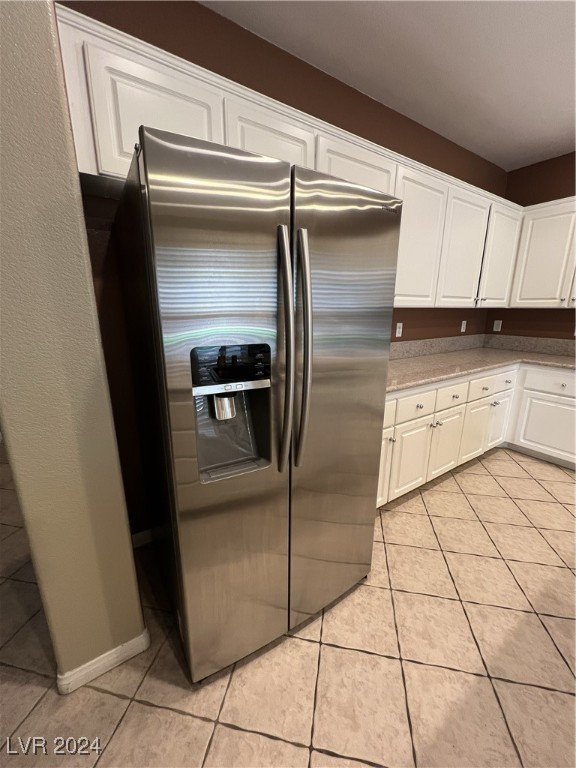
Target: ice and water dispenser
[[231, 388]]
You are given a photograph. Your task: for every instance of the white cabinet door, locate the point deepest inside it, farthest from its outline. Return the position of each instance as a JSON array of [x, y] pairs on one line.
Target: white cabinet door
[[462, 249], [356, 164], [128, 90], [499, 417], [445, 445], [264, 131], [545, 266], [421, 227], [499, 256], [410, 456], [475, 432], [385, 464], [546, 424], [572, 301]]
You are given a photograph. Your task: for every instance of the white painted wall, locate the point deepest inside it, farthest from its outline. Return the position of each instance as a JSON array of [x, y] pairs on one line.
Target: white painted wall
[[54, 401]]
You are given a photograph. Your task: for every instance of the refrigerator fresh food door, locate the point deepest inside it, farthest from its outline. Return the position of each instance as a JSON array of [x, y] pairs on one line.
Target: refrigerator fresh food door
[[219, 230], [344, 252]]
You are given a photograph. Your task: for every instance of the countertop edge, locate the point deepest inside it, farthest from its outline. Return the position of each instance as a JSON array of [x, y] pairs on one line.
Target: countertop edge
[[515, 360]]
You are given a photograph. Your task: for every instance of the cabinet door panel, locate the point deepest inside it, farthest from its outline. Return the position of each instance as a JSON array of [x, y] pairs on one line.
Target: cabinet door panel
[[462, 249], [410, 456], [499, 416], [475, 431], [265, 132], [546, 424], [126, 93], [499, 256], [445, 445], [385, 464], [423, 212], [356, 164], [545, 258]]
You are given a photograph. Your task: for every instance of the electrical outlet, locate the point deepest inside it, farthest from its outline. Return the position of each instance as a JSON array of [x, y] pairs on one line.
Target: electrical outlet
[[497, 325], [399, 330], [463, 327]]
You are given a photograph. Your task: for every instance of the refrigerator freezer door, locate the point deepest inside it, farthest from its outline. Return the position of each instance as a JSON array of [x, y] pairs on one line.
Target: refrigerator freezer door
[[349, 237], [214, 215]]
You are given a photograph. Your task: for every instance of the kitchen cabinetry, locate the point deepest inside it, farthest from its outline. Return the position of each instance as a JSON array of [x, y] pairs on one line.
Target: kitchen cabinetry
[[385, 464], [498, 424], [545, 419], [499, 256], [462, 249], [356, 164], [445, 445], [409, 466], [423, 211], [129, 91], [267, 132], [545, 267], [475, 432]]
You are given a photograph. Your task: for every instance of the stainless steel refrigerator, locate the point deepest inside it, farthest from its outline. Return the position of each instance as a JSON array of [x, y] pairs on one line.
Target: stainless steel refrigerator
[[259, 299]]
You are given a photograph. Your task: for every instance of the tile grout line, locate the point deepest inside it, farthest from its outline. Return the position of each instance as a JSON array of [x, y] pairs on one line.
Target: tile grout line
[[217, 720], [315, 700], [28, 620], [484, 663], [49, 688], [542, 623], [402, 672]]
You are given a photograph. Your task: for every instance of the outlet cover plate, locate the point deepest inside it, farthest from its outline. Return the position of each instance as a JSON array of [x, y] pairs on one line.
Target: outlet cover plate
[[463, 327], [497, 325], [399, 330]]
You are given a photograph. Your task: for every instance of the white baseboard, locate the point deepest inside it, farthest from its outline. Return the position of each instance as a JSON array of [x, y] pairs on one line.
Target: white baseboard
[[70, 681]]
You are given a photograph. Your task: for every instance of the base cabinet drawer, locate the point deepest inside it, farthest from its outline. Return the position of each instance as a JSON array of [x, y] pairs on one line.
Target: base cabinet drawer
[[552, 382], [414, 406], [385, 464], [482, 387], [505, 381], [410, 456], [448, 397], [445, 444], [546, 424], [389, 413]]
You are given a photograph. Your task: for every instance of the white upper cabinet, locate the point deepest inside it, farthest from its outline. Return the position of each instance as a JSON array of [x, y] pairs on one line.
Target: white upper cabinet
[[545, 266], [127, 91], [462, 248], [499, 256], [356, 164], [267, 132], [423, 211]]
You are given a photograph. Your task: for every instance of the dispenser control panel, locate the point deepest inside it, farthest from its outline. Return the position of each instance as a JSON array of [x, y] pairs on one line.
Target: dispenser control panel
[[229, 368]]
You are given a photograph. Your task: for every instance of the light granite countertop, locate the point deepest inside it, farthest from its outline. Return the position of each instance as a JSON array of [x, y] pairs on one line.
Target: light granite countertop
[[426, 369]]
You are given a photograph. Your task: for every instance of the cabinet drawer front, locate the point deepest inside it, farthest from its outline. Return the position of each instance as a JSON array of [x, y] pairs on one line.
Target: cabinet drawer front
[[389, 413], [447, 397], [482, 387], [414, 406], [505, 381], [553, 382]]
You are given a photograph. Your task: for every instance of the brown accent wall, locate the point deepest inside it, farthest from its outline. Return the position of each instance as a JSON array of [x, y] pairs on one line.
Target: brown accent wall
[[201, 36], [538, 183], [437, 323], [546, 323]]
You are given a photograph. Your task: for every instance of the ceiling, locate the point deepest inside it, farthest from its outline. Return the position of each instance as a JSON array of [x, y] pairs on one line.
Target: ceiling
[[494, 76]]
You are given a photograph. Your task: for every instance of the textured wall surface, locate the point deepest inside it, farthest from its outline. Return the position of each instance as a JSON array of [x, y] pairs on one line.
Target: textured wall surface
[[54, 399]]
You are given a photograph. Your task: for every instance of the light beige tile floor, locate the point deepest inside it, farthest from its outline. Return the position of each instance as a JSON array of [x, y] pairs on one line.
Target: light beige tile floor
[[458, 650]]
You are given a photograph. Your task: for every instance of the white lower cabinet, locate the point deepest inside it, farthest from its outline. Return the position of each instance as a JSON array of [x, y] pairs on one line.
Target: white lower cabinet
[[445, 445], [499, 418], [546, 424], [385, 464], [410, 456], [475, 432]]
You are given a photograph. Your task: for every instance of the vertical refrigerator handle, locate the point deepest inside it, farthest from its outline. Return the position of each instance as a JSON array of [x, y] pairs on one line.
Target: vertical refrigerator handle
[[304, 256], [288, 300]]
